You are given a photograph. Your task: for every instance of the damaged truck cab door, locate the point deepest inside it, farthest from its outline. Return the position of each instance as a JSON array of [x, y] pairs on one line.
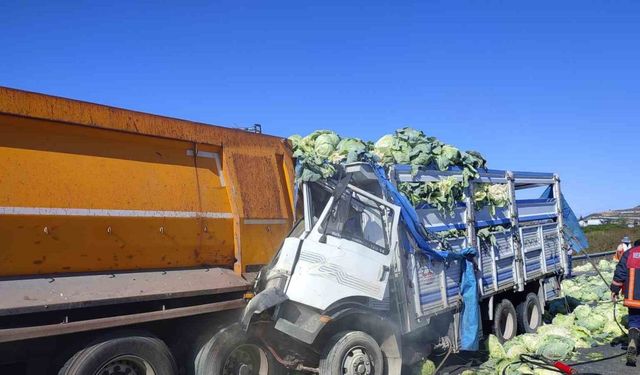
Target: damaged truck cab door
[[347, 253]]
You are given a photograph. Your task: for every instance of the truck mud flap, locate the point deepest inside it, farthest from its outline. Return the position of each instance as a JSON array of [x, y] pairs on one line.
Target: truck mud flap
[[301, 322], [262, 301], [550, 289]]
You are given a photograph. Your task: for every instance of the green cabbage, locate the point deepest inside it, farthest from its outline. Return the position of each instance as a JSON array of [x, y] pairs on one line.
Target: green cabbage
[[421, 155], [555, 347], [542, 371], [593, 322], [494, 347], [582, 337], [348, 145], [605, 265], [583, 268], [295, 140], [530, 341], [426, 368], [582, 312], [589, 296], [492, 196], [515, 351], [564, 320], [348, 150], [410, 136], [325, 144], [507, 366], [443, 194], [383, 148], [474, 159], [448, 156], [611, 328]]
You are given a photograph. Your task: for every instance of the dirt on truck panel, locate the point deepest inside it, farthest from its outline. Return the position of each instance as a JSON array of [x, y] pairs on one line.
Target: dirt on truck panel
[[91, 188]]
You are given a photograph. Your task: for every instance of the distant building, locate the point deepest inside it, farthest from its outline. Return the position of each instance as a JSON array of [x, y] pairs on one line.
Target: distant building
[[628, 217], [589, 222]]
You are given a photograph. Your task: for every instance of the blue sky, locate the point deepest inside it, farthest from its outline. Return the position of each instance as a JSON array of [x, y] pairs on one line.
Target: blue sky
[[539, 85]]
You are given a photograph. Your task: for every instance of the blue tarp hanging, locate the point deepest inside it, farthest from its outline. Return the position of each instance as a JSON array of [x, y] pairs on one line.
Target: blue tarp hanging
[[470, 315], [572, 232], [470, 319]]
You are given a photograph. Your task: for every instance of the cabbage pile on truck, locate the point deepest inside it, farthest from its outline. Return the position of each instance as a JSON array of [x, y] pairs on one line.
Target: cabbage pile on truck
[[320, 153]]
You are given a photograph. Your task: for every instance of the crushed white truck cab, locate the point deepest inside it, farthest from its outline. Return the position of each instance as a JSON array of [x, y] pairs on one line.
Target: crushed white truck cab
[[351, 292]]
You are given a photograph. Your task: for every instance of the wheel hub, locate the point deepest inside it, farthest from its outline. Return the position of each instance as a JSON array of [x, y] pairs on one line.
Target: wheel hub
[[245, 360], [126, 365], [244, 370], [357, 362]]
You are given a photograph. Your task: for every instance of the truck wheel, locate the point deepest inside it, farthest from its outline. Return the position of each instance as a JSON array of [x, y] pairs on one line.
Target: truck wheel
[[135, 355], [505, 324], [529, 314], [232, 351], [352, 353]]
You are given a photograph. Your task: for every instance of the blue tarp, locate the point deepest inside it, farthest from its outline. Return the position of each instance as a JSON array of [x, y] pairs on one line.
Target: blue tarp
[[470, 319], [572, 232], [470, 316]]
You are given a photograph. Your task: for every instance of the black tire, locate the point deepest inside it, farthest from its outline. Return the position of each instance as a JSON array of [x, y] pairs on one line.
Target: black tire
[[529, 314], [505, 325], [232, 348], [350, 349], [135, 354]]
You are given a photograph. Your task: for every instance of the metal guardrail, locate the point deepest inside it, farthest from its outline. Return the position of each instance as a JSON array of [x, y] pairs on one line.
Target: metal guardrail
[[594, 255], [579, 260]]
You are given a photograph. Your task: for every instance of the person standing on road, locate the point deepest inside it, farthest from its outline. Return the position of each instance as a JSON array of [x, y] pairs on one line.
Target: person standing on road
[[625, 278], [624, 246], [570, 263]]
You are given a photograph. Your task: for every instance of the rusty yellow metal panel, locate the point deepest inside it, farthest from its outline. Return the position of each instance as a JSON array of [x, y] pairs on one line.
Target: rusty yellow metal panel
[[258, 238], [88, 188], [18, 103], [49, 244], [259, 196], [51, 165], [77, 199]]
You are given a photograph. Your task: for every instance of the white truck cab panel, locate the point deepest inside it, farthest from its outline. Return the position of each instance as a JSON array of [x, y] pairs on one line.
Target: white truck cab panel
[[347, 252]]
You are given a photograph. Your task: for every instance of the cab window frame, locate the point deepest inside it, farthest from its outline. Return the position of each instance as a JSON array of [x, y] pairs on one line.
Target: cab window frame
[[383, 213]]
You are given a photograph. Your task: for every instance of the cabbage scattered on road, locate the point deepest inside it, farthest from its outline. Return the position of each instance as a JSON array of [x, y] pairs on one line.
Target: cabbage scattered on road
[[580, 322], [589, 288]]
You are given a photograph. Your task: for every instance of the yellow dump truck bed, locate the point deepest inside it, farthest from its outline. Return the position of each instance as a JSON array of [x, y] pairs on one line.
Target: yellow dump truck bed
[[91, 188]]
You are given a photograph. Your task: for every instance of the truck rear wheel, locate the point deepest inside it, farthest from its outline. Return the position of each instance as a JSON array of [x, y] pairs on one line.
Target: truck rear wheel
[[352, 353], [529, 314], [135, 355], [232, 352], [505, 324]]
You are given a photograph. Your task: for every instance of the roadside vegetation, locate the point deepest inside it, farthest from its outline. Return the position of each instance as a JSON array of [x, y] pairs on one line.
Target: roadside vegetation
[[607, 237]]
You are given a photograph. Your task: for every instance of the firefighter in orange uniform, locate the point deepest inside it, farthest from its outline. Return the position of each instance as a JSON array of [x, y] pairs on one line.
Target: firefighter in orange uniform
[[627, 278]]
